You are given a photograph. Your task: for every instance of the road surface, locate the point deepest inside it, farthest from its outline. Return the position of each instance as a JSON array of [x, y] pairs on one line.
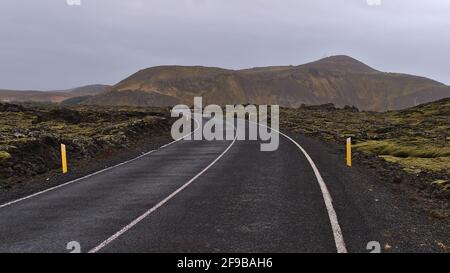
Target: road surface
[[196, 196]]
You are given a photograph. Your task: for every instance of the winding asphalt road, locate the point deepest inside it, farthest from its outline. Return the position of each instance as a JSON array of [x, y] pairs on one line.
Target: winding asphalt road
[[193, 196]]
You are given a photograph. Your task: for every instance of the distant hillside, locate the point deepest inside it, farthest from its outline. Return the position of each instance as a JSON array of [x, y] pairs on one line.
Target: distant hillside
[[51, 96], [341, 80], [93, 89]]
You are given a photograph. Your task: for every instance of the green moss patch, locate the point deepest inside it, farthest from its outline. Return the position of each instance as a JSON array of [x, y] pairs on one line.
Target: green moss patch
[[402, 150], [4, 156], [416, 165], [444, 184]]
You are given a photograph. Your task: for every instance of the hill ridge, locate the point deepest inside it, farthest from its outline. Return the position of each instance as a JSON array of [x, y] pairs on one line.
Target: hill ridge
[[341, 80]]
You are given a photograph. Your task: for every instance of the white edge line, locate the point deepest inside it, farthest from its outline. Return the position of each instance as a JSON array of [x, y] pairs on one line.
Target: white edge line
[[161, 203], [337, 232], [95, 173]]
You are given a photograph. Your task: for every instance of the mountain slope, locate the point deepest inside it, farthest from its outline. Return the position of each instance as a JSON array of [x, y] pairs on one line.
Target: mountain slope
[[93, 89], [341, 80], [51, 96]]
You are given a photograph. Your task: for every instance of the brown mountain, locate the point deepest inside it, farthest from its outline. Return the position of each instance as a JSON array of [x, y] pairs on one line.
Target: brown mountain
[[51, 96], [341, 80]]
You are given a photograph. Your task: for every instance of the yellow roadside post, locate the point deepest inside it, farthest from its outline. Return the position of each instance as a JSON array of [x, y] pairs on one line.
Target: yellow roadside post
[[63, 158], [349, 151]]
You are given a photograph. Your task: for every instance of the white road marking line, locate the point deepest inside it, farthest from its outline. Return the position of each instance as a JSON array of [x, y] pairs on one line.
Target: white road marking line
[[93, 174], [73, 181], [161, 203], [337, 232]]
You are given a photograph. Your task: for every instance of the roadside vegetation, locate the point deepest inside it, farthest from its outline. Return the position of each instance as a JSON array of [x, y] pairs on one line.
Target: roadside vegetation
[[415, 140], [30, 135]]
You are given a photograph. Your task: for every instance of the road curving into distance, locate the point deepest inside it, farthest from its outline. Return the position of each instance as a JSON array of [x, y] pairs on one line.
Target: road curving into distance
[[189, 196]]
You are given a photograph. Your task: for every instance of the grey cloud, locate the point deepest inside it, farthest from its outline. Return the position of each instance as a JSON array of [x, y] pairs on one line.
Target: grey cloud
[[47, 44]]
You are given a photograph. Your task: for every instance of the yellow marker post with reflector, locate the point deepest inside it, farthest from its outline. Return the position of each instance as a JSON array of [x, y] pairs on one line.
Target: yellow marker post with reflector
[[63, 158], [349, 151]]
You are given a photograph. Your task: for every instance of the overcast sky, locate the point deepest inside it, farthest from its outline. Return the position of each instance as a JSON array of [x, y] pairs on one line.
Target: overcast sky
[[48, 44]]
